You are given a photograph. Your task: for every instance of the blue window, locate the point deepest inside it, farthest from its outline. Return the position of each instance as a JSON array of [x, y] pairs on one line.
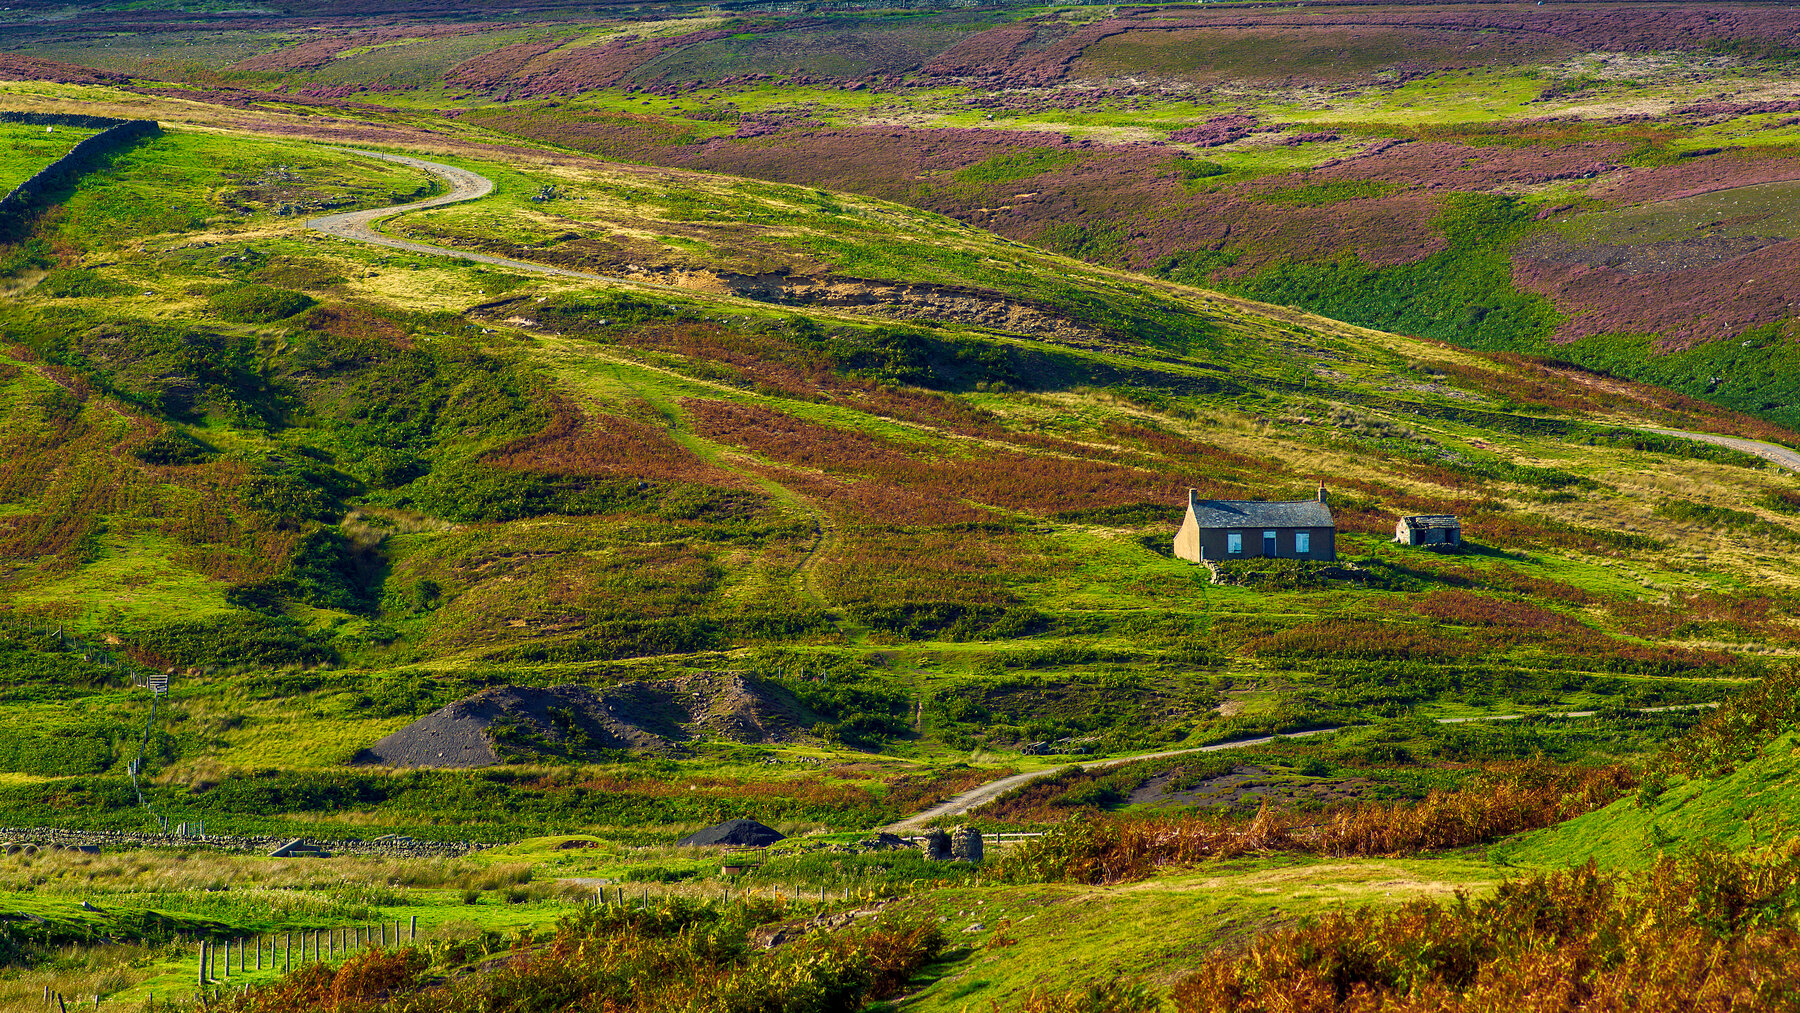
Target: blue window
[[1234, 542], [1302, 542], [1268, 543]]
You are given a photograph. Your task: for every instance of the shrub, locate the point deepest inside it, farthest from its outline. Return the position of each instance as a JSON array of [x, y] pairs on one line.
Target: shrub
[[173, 447], [71, 282], [1710, 931], [244, 638], [1740, 729], [258, 304], [1113, 997], [1505, 799], [673, 957]]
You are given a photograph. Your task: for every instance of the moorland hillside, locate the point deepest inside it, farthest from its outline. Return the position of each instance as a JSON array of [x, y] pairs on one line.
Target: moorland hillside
[[1602, 183], [336, 486], [797, 431]]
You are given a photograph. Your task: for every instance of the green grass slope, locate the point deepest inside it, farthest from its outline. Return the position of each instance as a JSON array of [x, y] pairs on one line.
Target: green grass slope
[[921, 476], [1727, 784]]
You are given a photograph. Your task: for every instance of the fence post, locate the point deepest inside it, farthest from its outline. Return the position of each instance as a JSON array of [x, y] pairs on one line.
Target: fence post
[[287, 954], [413, 935], [227, 960]]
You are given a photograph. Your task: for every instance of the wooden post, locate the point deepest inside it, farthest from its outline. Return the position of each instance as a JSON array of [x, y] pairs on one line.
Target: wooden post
[[227, 960], [413, 933], [259, 945], [330, 944]]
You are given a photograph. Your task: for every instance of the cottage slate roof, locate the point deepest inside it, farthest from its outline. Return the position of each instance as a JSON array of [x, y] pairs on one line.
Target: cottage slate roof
[[1250, 513], [1425, 522]]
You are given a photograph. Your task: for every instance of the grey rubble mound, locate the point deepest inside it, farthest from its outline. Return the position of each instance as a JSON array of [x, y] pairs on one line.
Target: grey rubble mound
[[738, 833], [504, 722]]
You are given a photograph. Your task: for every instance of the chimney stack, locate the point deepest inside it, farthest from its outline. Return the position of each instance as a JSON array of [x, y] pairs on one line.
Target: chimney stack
[[1322, 498]]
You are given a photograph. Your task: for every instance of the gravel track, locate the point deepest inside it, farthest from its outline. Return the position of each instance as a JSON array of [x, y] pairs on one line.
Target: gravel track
[[980, 796], [975, 798], [1773, 453], [359, 226]]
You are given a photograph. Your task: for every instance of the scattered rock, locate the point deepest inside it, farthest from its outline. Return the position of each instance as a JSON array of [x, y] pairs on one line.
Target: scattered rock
[[883, 842]]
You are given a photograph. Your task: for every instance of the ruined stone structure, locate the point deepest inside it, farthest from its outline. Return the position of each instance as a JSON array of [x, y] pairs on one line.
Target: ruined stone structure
[[965, 844], [1442, 530], [937, 845]]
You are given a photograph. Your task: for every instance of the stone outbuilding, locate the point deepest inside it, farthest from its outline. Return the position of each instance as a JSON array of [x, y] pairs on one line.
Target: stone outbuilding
[[1442, 530], [1222, 529]]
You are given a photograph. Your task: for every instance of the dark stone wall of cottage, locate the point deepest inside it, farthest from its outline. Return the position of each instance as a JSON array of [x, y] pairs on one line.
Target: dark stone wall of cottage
[[1213, 542]]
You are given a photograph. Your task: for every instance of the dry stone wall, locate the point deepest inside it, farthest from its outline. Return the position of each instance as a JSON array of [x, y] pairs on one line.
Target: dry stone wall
[[17, 207], [399, 847]]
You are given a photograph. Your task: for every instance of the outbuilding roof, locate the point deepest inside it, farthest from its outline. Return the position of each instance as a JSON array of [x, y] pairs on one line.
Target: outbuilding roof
[[1256, 513], [1425, 522]]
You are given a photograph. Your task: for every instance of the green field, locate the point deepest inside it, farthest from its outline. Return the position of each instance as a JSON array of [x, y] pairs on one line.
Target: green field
[[25, 149]]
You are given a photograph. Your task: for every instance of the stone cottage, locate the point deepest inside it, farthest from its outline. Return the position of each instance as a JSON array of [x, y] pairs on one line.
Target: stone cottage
[[1221, 529]]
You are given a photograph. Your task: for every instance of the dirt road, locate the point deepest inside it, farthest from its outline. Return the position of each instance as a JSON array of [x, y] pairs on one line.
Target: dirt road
[[1773, 453], [359, 226], [977, 797]]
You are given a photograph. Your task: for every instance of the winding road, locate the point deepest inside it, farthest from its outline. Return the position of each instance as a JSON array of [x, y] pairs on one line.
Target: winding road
[[1773, 453], [359, 226], [979, 796]]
